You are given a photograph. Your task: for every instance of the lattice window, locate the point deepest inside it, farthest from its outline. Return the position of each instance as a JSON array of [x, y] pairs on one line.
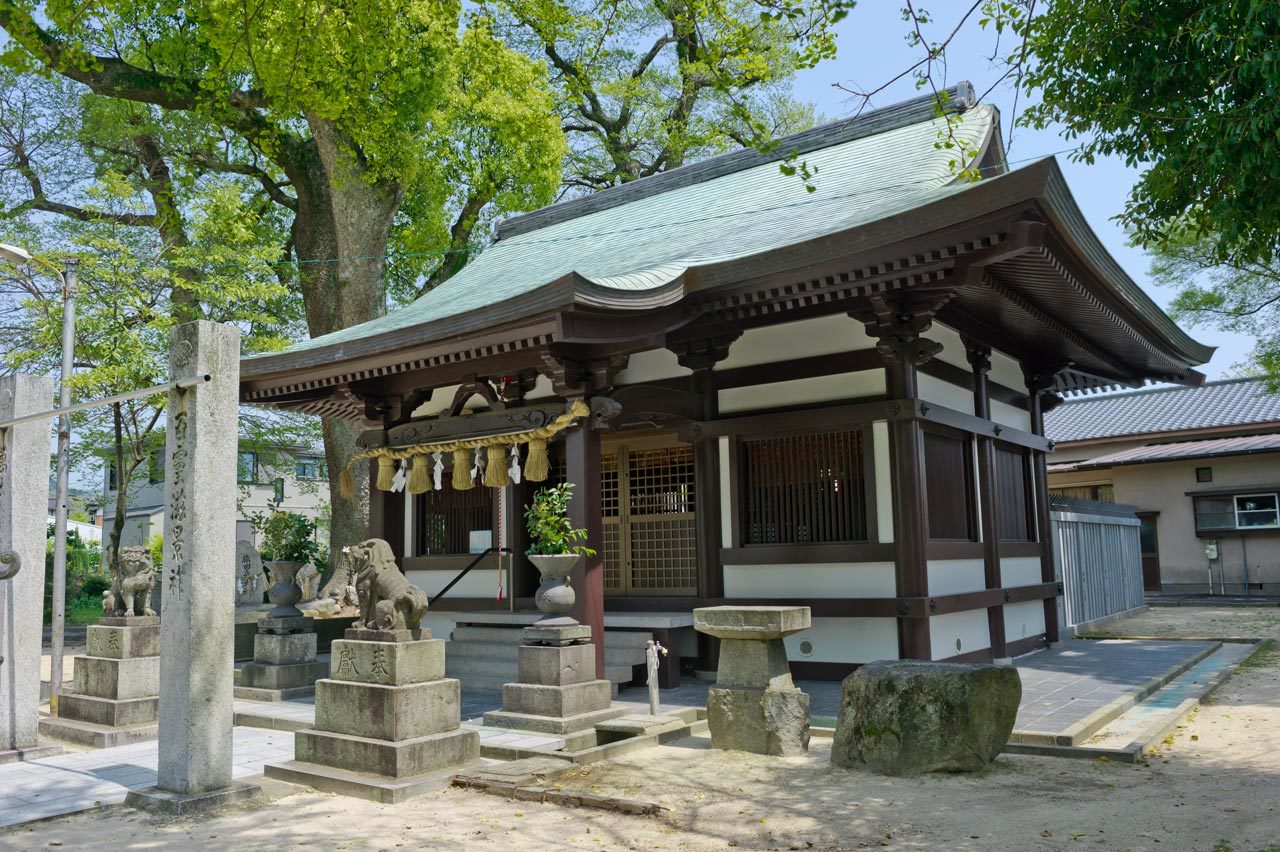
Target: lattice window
[[1013, 494], [948, 475], [803, 489], [663, 540], [445, 519]]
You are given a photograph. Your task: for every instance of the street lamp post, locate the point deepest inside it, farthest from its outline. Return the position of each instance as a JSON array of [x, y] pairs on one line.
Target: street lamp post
[[67, 277]]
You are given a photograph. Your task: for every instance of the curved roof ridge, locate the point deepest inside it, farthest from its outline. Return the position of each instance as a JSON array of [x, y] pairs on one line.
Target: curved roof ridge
[[959, 98]]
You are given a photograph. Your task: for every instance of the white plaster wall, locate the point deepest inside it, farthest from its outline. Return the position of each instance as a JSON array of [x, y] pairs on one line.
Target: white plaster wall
[[946, 394], [1019, 570], [884, 481], [953, 576], [480, 583], [1008, 415], [952, 345], [1023, 619], [802, 391], [1006, 371], [968, 628], [846, 640], [650, 366], [824, 579], [821, 336], [726, 504], [440, 624]]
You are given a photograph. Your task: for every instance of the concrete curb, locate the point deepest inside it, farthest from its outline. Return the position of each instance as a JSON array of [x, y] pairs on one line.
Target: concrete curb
[[1091, 724]]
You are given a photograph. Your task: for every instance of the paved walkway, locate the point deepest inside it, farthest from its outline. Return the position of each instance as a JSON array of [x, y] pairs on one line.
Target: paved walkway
[[82, 780]]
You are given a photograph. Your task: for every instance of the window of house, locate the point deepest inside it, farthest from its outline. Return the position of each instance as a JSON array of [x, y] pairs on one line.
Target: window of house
[[948, 475], [1013, 493], [1104, 493], [309, 467], [445, 519], [277, 488], [113, 482], [1204, 474], [1237, 511], [247, 467], [803, 489]]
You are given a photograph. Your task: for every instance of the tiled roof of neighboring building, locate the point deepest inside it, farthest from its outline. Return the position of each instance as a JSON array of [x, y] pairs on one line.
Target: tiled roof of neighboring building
[[1177, 451], [1231, 402]]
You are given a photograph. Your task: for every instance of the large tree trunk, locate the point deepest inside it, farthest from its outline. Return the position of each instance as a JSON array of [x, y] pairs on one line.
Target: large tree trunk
[[340, 237], [122, 491]]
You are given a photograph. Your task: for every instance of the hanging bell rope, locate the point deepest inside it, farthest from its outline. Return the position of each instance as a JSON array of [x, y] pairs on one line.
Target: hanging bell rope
[[536, 469]]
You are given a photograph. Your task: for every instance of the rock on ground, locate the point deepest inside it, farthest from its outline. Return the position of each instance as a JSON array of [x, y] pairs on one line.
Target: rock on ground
[[906, 717]]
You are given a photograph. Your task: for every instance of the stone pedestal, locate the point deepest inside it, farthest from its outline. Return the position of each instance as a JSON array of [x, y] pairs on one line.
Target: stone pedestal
[[754, 705], [284, 661], [387, 723], [116, 693], [557, 692]]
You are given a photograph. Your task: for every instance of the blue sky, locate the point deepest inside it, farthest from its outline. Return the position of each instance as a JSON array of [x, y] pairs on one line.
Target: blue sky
[[872, 49]]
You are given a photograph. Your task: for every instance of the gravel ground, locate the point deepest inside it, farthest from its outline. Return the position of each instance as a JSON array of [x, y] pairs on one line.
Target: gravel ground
[[1214, 786]]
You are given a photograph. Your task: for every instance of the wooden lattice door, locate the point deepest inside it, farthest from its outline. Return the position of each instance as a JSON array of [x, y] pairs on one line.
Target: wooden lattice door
[[650, 529]]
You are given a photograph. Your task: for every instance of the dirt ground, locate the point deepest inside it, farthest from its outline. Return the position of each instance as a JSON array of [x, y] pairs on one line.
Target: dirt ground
[[1214, 786]]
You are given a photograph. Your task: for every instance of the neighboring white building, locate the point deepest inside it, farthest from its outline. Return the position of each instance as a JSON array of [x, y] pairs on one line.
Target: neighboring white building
[[294, 480]]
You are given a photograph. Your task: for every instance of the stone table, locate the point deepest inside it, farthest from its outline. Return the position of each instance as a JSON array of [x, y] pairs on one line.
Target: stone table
[[754, 705]]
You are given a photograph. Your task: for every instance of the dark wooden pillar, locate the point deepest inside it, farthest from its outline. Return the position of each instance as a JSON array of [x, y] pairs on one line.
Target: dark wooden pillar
[[980, 359], [898, 325], [582, 468], [1038, 386]]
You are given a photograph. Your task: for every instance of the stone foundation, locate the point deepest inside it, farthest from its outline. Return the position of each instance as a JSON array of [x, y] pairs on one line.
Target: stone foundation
[[116, 686], [284, 661]]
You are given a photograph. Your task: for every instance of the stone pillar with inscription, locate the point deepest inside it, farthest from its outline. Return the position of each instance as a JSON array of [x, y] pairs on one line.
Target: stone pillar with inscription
[[387, 724], [196, 633], [24, 492]]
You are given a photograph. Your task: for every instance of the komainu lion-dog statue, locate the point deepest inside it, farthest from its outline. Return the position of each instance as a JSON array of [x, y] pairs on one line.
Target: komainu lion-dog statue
[[132, 578], [388, 601]]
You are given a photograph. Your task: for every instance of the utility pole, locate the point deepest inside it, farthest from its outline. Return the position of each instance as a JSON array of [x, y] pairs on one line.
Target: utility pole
[[62, 499]]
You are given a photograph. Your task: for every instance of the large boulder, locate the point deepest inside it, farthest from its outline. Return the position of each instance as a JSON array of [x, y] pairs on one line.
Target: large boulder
[[906, 717]]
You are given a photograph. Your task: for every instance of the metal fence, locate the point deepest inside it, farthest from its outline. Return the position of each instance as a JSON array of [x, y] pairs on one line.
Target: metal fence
[[1098, 559]]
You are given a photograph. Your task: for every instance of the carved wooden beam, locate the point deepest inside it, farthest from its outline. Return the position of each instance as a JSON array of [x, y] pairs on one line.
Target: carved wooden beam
[[897, 320]]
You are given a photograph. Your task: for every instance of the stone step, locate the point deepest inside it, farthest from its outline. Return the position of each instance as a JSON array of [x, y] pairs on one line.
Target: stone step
[[511, 653], [464, 667], [491, 676], [502, 635]]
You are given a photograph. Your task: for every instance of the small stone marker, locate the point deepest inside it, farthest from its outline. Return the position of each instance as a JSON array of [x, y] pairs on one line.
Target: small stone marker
[[249, 576], [197, 631], [755, 706], [284, 661], [905, 717], [24, 494]]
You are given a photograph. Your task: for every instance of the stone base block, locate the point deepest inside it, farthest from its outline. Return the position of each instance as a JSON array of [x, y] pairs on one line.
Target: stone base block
[[123, 642], [94, 735], [130, 620], [35, 752], [557, 666], [266, 676], [640, 725], [754, 664], [402, 759], [104, 677], [760, 721], [538, 700], [250, 693], [546, 633], [165, 803], [401, 635], [388, 712], [114, 712], [284, 648], [283, 626], [559, 725], [390, 663], [329, 779]]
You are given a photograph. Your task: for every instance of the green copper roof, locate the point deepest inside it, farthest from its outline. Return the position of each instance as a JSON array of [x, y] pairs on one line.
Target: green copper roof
[[633, 240]]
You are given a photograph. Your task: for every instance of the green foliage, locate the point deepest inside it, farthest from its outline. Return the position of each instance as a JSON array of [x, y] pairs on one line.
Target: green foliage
[[155, 546], [1239, 296], [643, 87], [1186, 91], [86, 578], [287, 537], [94, 585], [547, 519]]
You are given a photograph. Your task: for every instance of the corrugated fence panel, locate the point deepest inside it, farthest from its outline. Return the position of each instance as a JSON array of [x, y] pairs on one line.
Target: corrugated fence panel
[[1097, 554]]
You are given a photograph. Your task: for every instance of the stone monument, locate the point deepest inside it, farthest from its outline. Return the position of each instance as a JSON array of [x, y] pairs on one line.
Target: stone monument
[[387, 723], [24, 493], [754, 705], [557, 691], [309, 582], [116, 694], [249, 576], [284, 660], [195, 757]]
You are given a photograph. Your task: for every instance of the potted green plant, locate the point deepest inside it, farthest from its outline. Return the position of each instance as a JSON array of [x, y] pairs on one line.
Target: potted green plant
[[553, 547], [288, 543]]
